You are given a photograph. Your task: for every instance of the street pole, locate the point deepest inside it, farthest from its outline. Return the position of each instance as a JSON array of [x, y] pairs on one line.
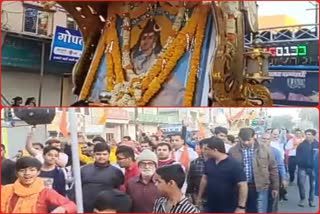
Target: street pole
[[135, 123], [4, 33], [75, 159], [41, 72]]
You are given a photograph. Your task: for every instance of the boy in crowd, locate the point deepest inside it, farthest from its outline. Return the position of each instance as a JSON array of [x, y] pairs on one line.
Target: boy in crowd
[[169, 181], [112, 201], [28, 193], [52, 175]]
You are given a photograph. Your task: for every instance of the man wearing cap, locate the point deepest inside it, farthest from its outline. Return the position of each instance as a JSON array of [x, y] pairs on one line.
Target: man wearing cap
[[142, 189]]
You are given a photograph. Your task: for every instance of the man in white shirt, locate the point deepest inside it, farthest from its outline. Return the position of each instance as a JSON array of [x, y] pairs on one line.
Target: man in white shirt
[[179, 146], [291, 149], [276, 141]]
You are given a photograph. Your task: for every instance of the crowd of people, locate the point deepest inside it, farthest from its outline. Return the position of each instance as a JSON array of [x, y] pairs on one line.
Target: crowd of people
[[164, 173]]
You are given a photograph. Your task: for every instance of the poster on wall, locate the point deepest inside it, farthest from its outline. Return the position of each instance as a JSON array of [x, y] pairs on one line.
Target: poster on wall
[[294, 87]]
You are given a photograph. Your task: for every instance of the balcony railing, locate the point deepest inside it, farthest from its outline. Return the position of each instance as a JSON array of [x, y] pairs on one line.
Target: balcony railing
[[309, 32]]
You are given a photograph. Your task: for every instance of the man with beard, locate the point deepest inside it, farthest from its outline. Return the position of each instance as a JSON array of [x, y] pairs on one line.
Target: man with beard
[[143, 186], [99, 176], [163, 152]]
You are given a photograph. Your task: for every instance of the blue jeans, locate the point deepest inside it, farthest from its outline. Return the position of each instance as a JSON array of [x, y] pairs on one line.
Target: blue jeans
[[257, 201], [272, 203], [302, 177], [262, 201]]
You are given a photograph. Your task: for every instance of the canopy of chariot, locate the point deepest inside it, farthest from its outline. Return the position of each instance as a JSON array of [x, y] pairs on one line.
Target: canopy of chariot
[[168, 54]]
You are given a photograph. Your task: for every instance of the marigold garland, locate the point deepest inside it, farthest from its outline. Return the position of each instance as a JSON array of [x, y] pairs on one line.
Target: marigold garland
[[195, 59], [126, 59], [110, 74], [116, 53], [173, 54], [170, 8]]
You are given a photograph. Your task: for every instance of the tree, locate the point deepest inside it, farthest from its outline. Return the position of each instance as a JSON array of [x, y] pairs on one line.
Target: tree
[[283, 121], [311, 115]]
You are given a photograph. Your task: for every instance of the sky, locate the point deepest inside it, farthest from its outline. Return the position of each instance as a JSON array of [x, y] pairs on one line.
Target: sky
[[294, 112], [283, 111], [295, 9]]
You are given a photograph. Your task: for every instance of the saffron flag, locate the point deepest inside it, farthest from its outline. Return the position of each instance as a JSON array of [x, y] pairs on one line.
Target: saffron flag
[[63, 123], [185, 159], [103, 118]]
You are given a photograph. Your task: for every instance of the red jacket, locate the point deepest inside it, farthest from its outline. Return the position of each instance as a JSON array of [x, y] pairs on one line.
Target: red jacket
[[133, 171]]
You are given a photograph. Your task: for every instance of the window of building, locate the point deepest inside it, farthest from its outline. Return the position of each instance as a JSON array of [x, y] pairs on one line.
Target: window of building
[[36, 21], [109, 136], [71, 23]]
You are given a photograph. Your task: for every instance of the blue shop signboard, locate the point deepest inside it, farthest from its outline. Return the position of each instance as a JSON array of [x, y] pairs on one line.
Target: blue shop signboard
[[67, 45], [295, 87]]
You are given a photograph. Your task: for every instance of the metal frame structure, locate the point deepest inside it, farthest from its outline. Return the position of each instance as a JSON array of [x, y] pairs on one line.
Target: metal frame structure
[[308, 32]]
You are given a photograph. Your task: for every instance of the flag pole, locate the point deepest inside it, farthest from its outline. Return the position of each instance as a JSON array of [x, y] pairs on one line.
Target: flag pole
[[75, 159]]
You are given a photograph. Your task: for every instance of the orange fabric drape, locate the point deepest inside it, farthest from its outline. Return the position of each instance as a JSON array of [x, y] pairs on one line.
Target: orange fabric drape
[[185, 159], [27, 197], [103, 118], [63, 123]]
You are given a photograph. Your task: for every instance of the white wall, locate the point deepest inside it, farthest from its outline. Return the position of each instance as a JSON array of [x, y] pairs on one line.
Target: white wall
[[17, 138], [23, 84], [12, 13]]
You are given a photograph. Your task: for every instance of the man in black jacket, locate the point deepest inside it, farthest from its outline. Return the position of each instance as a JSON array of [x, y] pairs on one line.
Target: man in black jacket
[[99, 176], [305, 160], [8, 175]]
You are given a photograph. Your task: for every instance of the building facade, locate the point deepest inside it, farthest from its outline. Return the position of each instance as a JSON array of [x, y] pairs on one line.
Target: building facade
[[27, 31]]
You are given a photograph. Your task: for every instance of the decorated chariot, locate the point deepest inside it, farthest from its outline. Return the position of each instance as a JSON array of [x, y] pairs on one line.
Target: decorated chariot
[[169, 54]]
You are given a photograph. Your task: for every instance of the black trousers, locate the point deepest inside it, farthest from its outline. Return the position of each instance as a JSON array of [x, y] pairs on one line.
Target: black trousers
[[292, 165]]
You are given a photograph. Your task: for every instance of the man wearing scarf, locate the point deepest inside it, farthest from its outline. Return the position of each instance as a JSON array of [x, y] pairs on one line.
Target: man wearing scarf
[[29, 195]]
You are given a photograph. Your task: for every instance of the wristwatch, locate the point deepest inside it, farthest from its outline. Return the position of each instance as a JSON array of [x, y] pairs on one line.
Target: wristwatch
[[241, 207]]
